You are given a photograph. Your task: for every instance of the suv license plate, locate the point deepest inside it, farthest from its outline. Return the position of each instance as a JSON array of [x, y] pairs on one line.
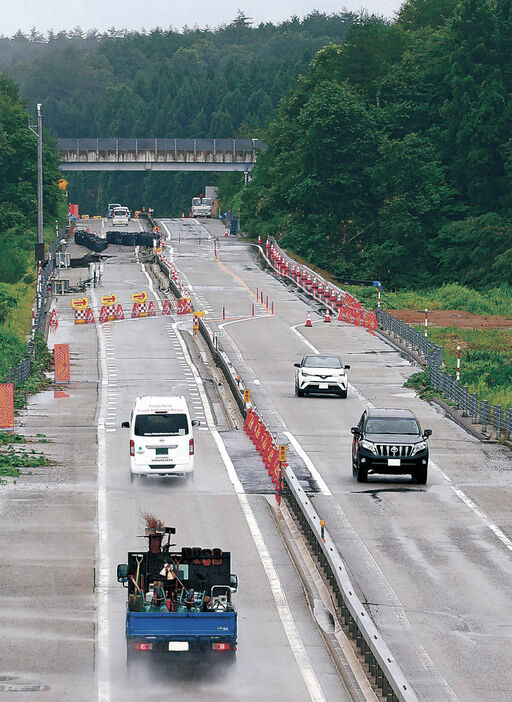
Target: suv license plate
[[323, 386], [393, 461]]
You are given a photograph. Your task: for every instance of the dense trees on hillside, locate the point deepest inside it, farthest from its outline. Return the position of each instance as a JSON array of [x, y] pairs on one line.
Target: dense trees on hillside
[[18, 186], [225, 82], [392, 156]]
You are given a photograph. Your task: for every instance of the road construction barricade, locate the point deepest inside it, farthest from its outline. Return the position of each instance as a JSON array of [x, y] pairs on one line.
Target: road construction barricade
[[357, 315], [166, 308], [110, 309], [83, 314], [184, 305], [139, 308]]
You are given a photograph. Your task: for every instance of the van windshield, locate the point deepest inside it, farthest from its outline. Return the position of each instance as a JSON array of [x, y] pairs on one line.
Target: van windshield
[[161, 425]]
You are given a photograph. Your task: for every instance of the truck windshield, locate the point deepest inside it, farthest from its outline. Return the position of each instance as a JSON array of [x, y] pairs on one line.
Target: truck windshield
[[196, 201], [161, 425], [207, 201], [392, 425]]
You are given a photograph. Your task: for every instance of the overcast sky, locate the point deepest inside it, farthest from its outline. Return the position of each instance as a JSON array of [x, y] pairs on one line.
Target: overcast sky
[[135, 14]]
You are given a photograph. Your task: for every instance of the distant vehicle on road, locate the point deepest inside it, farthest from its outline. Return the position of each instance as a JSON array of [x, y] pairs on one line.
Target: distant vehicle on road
[[111, 208], [201, 206], [161, 436], [179, 601], [121, 216], [321, 373], [390, 441]]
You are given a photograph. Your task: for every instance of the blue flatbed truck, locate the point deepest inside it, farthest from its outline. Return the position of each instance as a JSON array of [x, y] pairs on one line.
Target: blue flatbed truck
[[179, 602]]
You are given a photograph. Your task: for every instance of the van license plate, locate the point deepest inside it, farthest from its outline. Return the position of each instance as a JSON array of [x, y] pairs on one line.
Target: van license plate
[[178, 645], [162, 451], [393, 461]]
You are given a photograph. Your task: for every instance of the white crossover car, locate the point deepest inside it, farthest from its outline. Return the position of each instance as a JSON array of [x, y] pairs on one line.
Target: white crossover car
[[321, 373]]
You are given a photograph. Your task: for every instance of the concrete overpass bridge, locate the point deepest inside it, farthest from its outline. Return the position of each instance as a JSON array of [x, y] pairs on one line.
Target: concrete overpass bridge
[[159, 154]]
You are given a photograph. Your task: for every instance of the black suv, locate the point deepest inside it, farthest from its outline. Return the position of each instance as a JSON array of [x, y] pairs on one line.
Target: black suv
[[389, 441]]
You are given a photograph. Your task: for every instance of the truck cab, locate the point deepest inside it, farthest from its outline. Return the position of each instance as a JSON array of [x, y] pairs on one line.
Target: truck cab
[[179, 601], [201, 206]]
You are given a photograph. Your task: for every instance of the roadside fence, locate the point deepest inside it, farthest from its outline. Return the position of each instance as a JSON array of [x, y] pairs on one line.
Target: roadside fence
[[491, 417], [20, 373], [378, 658]]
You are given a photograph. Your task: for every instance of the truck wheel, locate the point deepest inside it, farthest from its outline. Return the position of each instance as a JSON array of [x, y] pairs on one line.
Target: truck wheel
[[420, 475], [361, 473]]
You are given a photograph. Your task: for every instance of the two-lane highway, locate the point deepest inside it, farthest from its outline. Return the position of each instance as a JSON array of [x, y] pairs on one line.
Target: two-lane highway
[[433, 563]]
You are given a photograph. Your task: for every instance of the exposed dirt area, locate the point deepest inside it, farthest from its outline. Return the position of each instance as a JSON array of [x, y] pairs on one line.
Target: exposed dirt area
[[454, 318]]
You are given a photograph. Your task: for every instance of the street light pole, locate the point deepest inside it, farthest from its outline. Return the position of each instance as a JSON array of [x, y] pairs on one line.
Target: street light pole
[[40, 231], [38, 131]]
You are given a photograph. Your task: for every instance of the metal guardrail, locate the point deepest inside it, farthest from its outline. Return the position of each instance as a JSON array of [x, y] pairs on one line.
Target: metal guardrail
[[20, 373], [380, 662], [491, 417]]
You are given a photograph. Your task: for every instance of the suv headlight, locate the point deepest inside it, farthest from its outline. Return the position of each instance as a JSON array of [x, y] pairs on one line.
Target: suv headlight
[[418, 447], [306, 375], [369, 446]]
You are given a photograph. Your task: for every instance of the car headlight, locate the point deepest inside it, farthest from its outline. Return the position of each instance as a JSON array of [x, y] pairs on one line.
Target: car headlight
[[418, 447], [369, 446]]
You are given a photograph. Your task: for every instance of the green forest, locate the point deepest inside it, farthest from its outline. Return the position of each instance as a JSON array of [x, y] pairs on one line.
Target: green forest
[[389, 142], [391, 158], [18, 218], [225, 82]]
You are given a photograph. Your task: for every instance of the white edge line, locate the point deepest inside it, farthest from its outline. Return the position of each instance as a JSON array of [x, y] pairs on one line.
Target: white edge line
[[102, 623], [309, 464], [301, 337]]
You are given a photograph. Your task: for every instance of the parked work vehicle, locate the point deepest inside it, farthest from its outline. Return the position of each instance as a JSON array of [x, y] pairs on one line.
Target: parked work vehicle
[[201, 206], [111, 208], [179, 601], [121, 216], [390, 441], [321, 373], [161, 436]]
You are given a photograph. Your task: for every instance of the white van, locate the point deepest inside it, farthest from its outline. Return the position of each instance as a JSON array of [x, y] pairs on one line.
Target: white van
[[121, 215], [161, 436]]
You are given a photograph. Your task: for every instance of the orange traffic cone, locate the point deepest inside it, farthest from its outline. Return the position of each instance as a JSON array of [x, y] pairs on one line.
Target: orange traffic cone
[[226, 233], [308, 320], [259, 239], [182, 215], [327, 316]]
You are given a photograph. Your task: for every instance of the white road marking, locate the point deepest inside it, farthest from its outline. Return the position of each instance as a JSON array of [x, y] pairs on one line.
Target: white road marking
[[103, 657], [309, 464], [302, 338], [256, 381]]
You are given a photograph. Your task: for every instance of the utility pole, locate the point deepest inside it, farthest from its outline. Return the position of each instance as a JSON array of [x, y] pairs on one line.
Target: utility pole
[[38, 131]]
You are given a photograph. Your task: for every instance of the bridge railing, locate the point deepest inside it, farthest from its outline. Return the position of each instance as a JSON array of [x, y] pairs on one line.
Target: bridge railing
[[78, 149]]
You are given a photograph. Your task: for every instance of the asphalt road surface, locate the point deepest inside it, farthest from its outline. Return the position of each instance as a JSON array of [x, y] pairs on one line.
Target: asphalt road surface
[[433, 563], [281, 655]]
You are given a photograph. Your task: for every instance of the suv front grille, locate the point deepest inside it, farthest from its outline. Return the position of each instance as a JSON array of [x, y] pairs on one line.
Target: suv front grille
[[402, 450]]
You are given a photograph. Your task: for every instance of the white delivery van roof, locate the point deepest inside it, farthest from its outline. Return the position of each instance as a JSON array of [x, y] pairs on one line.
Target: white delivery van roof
[[154, 403]]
